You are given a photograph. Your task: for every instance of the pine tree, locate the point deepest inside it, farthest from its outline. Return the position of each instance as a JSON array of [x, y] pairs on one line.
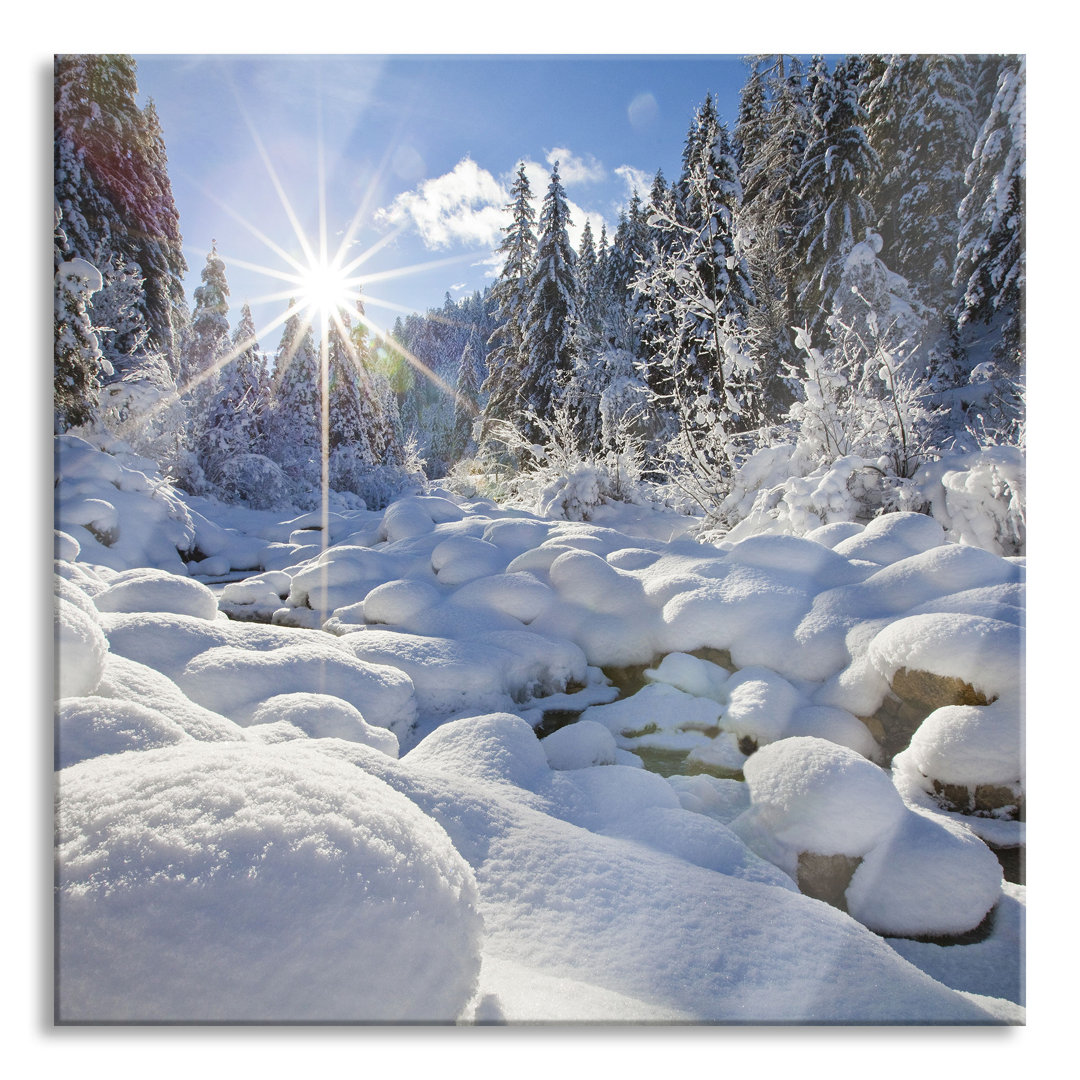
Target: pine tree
[[924, 139], [208, 341], [111, 180], [466, 398], [991, 262], [296, 404], [550, 324], [590, 287], [837, 168], [506, 361], [78, 364], [236, 414]]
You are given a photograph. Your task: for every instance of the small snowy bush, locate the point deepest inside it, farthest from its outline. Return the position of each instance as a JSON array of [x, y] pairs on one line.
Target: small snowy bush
[[253, 480]]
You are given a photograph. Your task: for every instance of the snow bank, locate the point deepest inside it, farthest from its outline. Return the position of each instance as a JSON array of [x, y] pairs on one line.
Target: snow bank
[[157, 590], [81, 648], [323, 716], [87, 727], [128, 680], [247, 883], [119, 516], [235, 681]]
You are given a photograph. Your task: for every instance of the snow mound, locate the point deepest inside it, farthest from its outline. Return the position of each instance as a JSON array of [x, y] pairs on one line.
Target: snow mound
[[81, 649], [969, 745], [128, 680], [891, 537], [520, 595], [928, 876], [235, 681], [579, 746], [761, 704], [119, 516], [87, 727], [702, 678], [464, 558], [815, 796], [249, 883], [65, 547], [449, 675], [322, 716], [396, 602], [983, 652], [158, 590], [499, 747]]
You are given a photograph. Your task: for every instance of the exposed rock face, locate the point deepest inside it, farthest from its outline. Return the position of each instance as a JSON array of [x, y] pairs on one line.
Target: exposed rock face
[[1006, 800], [826, 877], [915, 695]]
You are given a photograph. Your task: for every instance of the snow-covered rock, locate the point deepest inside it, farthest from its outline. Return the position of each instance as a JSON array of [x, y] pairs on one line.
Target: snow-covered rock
[[249, 883]]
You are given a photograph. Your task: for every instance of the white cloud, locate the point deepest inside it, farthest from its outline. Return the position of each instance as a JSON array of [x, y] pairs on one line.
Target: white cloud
[[574, 169], [635, 180], [465, 206]]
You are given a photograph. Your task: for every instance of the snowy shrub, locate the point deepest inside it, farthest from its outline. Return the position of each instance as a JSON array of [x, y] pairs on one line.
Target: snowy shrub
[[122, 515], [377, 485], [557, 478], [254, 480], [979, 498], [251, 883]]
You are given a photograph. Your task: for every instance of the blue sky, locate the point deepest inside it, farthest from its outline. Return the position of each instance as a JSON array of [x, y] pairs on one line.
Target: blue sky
[[419, 151]]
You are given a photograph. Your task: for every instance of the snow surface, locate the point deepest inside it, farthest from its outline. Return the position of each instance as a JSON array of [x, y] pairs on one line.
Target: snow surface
[[342, 810]]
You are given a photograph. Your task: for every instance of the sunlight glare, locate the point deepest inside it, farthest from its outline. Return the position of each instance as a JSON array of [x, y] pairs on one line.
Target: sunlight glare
[[326, 289]]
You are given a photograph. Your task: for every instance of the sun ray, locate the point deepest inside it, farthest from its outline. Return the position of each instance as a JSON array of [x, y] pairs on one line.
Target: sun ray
[[255, 231]]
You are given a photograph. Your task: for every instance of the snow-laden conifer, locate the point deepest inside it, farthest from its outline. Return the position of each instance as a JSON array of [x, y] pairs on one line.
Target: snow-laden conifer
[[990, 262], [549, 344], [510, 295], [78, 364], [837, 167]]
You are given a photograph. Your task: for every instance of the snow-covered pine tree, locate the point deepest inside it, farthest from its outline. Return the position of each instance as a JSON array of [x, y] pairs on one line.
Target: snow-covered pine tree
[[550, 325], [625, 307], [208, 341], [466, 400], [990, 263], [295, 441], [78, 364], [700, 286], [236, 414], [926, 137], [590, 292], [772, 137], [838, 166], [111, 180], [510, 296]]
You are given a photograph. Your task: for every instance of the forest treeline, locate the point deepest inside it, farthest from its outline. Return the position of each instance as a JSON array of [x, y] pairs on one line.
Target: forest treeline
[[834, 280]]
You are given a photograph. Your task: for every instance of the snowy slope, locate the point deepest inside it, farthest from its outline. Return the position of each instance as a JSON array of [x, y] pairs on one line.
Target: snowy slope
[[330, 803]]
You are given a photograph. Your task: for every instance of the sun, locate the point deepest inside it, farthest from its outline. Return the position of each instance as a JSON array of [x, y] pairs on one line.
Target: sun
[[325, 288]]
